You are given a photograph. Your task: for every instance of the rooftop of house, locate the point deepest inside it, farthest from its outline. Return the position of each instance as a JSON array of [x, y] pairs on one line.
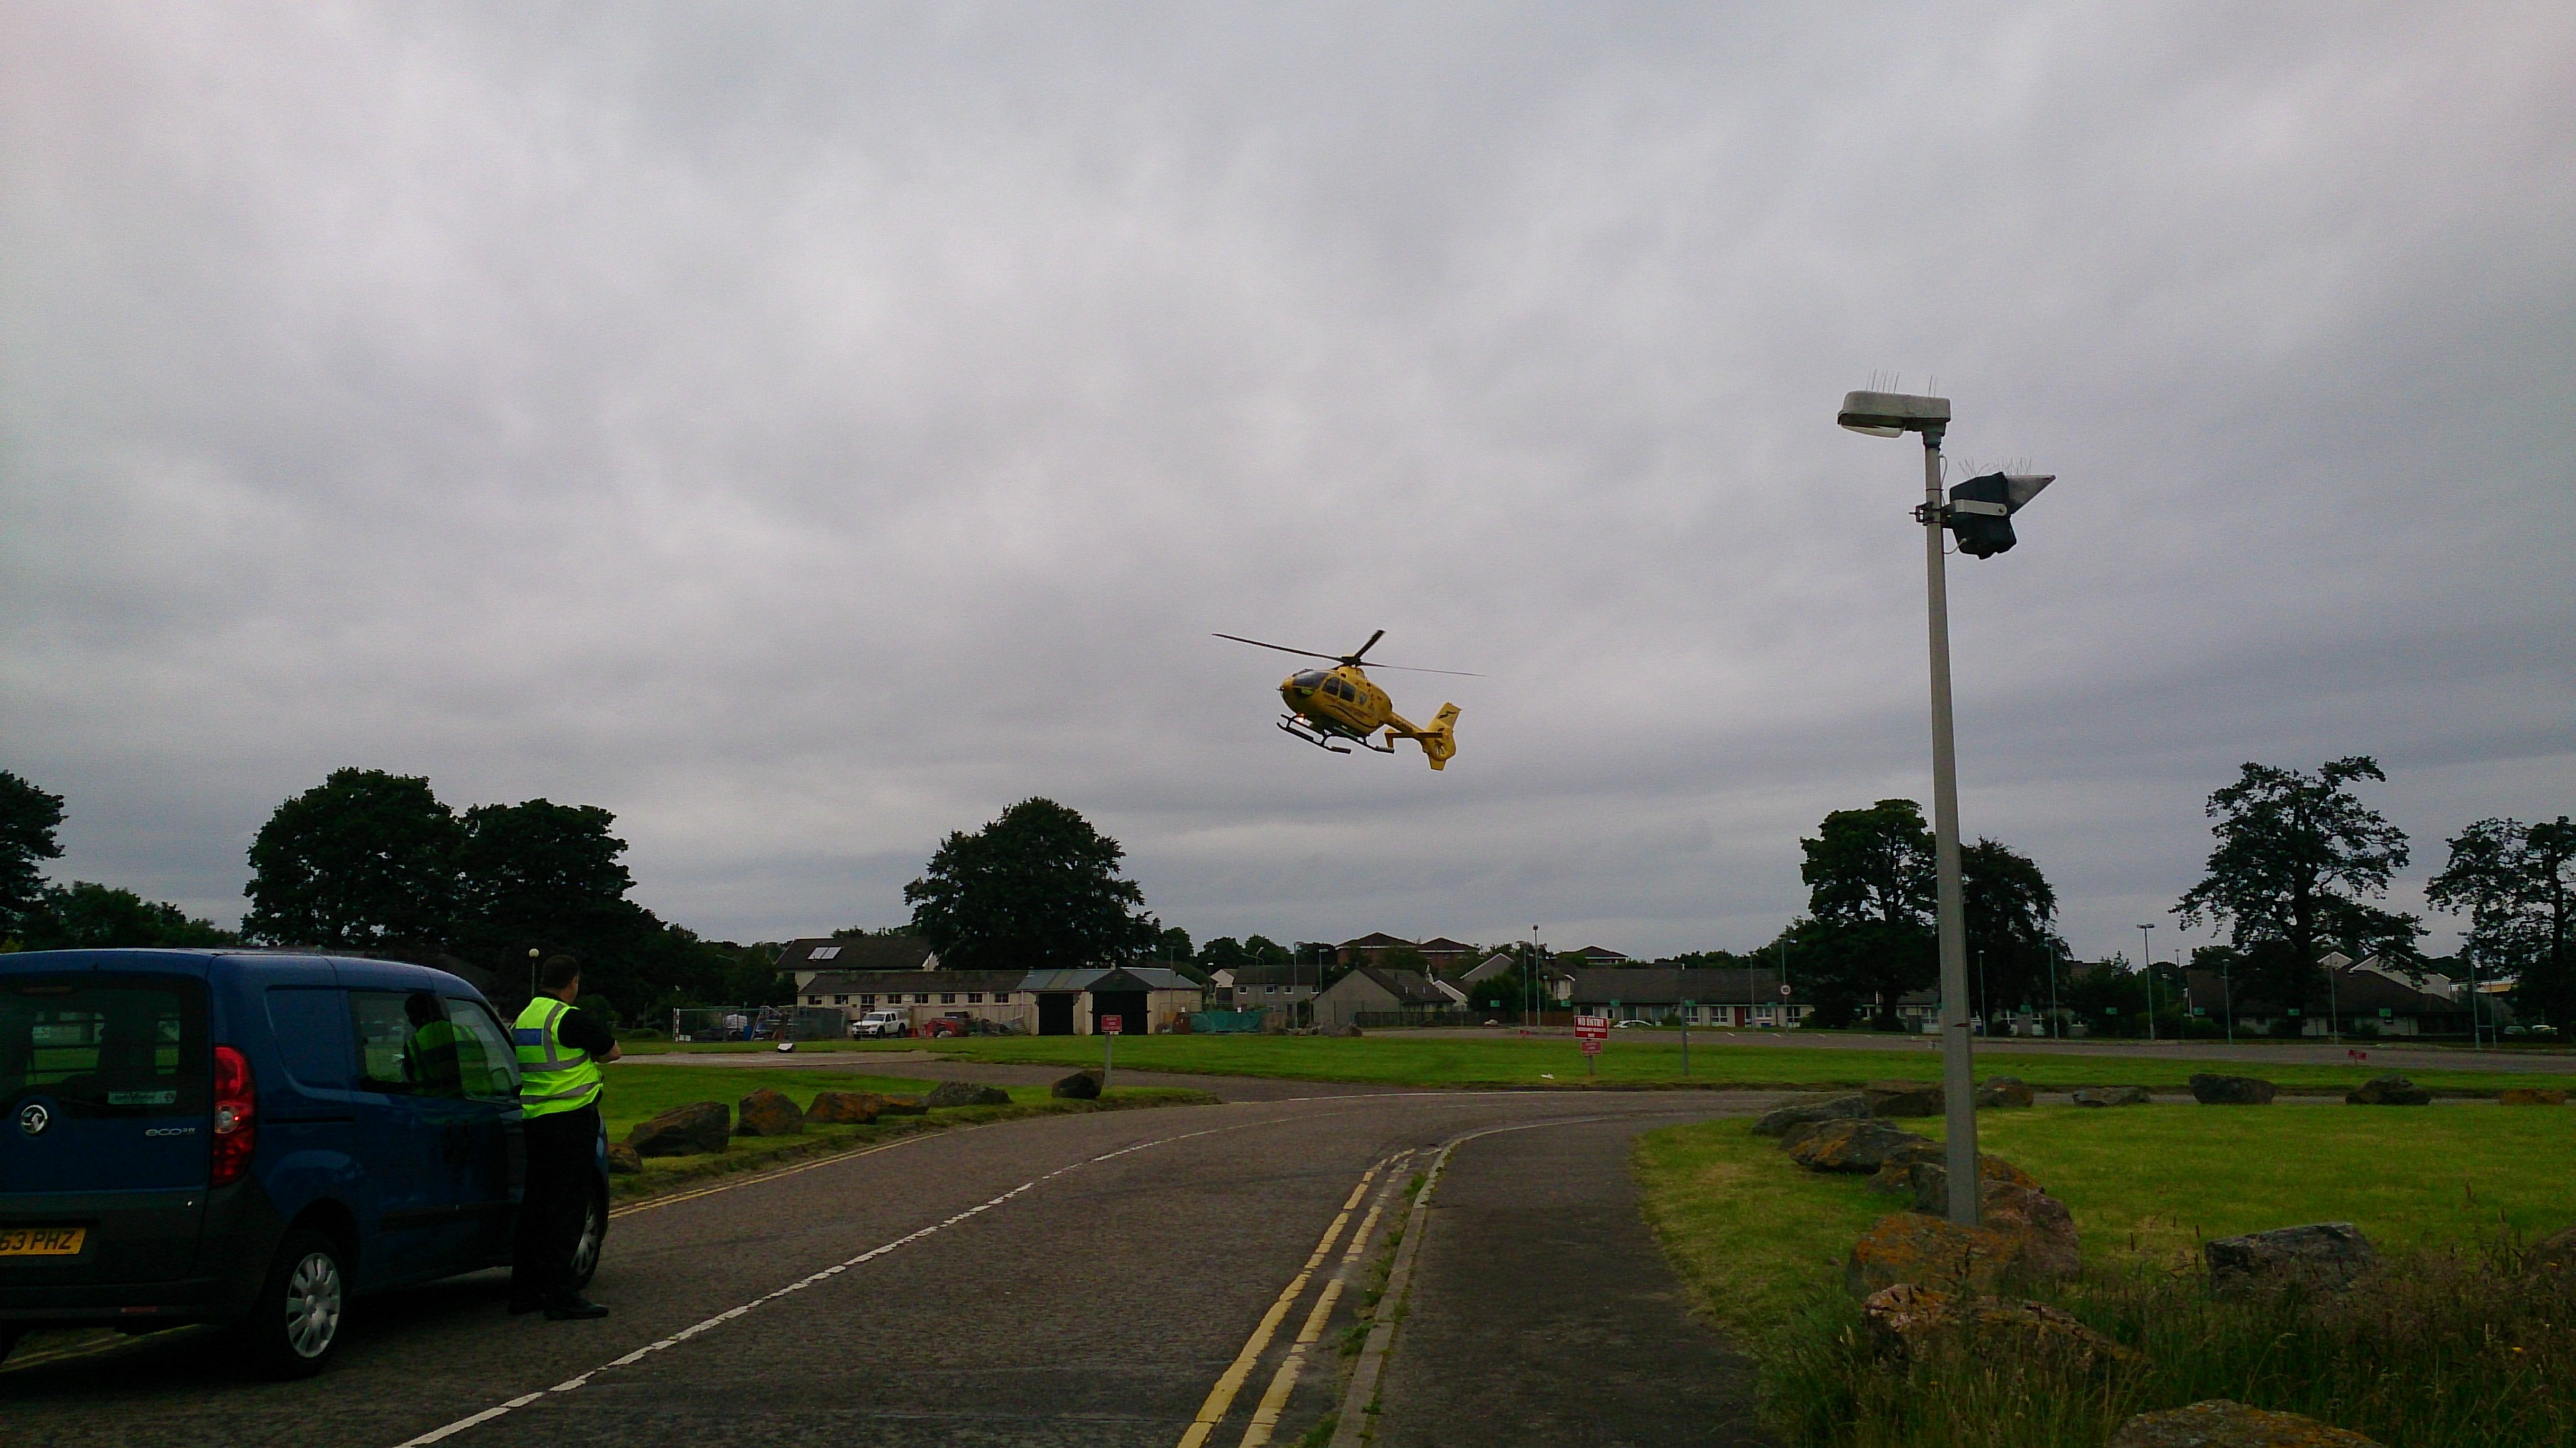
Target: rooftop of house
[[863, 952]]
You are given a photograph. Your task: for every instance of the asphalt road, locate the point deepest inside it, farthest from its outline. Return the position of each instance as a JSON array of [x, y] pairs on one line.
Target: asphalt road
[[1061, 1281]]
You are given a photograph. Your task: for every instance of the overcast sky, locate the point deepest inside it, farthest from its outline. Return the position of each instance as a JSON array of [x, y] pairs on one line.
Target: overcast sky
[[805, 430]]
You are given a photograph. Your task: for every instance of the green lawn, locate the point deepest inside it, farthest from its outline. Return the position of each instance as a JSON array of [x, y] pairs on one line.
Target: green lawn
[[638, 1092], [1632, 1058], [1758, 1238]]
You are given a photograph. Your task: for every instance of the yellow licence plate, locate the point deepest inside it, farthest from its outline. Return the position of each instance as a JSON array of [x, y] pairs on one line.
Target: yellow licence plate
[[42, 1241]]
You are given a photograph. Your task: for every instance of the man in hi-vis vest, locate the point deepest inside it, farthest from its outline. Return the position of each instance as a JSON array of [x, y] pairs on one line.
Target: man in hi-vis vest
[[560, 1051]]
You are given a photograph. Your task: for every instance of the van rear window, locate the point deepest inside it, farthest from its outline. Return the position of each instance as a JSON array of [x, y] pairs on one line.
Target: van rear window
[[98, 1045]]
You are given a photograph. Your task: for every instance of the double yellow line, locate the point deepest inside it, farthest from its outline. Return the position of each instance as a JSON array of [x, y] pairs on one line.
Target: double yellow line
[[1265, 1416]]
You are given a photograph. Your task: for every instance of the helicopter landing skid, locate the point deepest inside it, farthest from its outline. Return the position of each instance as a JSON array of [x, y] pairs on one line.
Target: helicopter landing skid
[[1291, 724]]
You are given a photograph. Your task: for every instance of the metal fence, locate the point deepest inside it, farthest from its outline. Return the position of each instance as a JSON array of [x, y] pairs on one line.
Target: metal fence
[[1381, 1020]]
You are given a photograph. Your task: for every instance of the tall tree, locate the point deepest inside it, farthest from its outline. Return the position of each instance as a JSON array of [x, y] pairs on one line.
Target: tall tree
[[2514, 882], [28, 818], [538, 872], [2298, 858], [364, 860], [88, 916], [1870, 896], [1038, 888], [2011, 910]]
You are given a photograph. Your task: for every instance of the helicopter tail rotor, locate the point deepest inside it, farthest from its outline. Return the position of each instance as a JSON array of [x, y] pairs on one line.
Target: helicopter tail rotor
[[1440, 741]]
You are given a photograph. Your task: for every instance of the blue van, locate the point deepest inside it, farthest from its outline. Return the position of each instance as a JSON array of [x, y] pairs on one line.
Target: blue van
[[253, 1139]]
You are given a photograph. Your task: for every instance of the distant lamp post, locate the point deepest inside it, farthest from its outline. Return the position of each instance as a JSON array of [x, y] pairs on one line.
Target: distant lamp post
[[2148, 955], [1979, 512]]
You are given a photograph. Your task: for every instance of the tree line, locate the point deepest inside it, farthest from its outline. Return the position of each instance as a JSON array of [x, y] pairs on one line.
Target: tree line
[[376, 863]]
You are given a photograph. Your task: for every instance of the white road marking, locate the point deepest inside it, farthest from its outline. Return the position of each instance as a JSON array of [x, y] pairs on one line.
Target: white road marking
[[573, 1384]]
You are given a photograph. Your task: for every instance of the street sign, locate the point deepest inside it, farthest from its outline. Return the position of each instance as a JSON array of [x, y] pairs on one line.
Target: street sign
[[1591, 1031], [1114, 1025]]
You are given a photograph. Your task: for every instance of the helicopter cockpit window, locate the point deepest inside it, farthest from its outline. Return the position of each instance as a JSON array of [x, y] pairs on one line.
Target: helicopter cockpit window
[[1310, 679]]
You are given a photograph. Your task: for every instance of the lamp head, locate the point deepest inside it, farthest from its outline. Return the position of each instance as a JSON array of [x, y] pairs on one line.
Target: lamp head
[[1893, 414]]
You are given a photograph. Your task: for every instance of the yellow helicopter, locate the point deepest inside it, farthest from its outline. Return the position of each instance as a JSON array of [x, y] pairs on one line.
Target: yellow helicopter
[[1325, 705]]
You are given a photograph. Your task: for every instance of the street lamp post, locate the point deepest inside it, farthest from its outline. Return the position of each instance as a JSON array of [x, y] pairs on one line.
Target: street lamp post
[[2056, 1022], [1979, 512], [2147, 954]]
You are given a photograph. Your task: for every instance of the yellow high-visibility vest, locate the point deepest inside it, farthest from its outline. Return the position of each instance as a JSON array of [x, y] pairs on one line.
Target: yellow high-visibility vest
[[552, 1076]]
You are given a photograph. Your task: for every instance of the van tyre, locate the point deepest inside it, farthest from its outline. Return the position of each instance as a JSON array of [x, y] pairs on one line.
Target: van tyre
[[585, 1248], [294, 1326]]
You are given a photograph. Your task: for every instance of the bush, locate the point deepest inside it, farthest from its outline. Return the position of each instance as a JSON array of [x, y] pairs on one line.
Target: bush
[[2437, 1350]]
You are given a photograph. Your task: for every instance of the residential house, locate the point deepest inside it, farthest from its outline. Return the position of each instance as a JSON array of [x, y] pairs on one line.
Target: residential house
[[1594, 956], [2366, 997], [1378, 992], [1501, 962], [1263, 987], [1038, 1002], [1702, 997], [1369, 949], [1445, 954], [808, 958]]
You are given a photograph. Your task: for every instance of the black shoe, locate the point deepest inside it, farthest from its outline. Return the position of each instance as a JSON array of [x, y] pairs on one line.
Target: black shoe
[[519, 1305], [565, 1309]]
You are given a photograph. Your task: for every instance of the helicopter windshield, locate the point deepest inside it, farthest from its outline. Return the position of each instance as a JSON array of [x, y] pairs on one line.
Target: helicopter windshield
[[1308, 679]]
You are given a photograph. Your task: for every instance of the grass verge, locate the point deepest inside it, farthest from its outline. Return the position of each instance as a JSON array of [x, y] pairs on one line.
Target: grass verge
[[639, 1093], [1638, 1059], [2448, 1345]]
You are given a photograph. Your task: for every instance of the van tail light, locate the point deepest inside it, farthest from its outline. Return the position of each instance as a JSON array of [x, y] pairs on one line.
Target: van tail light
[[236, 1116]]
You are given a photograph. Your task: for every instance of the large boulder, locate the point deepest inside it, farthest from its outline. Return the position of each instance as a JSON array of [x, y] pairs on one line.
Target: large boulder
[[1905, 1318], [1929, 1252], [844, 1108], [966, 1093], [622, 1160], [769, 1113], [1903, 1098], [2325, 1254], [2532, 1096], [2113, 1096], [2552, 1259], [2218, 1423], [1927, 1178], [1849, 1146], [2041, 1224], [2389, 1091], [1797, 1113], [683, 1131], [1342, 1030], [2004, 1093], [1080, 1086], [1895, 1175], [901, 1106], [2214, 1090]]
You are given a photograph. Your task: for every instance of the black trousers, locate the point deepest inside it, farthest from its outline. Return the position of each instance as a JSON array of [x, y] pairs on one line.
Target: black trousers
[[563, 1152]]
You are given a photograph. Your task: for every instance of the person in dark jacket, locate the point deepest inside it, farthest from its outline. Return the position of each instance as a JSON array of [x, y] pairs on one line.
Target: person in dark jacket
[[560, 1053]]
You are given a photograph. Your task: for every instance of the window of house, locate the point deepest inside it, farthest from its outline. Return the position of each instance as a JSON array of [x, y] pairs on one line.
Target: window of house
[[840, 1000], [974, 997], [867, 1000], [948, 998], [813, 1000], [921, 998], [824, 952]]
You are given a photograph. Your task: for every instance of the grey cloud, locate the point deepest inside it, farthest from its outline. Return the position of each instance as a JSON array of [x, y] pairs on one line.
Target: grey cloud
[[804, 430]]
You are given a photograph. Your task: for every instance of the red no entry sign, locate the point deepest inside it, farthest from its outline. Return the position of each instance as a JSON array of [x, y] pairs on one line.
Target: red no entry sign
[[1591, 1031]]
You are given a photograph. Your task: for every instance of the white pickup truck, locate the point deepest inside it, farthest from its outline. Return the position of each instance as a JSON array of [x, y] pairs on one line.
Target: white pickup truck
[[881, 1023]]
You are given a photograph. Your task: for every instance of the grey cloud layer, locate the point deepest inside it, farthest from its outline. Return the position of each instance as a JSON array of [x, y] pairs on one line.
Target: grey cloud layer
[[805, 430]]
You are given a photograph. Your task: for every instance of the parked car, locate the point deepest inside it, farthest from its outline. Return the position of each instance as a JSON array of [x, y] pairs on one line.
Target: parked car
[[881, 1023], [195, 1136]]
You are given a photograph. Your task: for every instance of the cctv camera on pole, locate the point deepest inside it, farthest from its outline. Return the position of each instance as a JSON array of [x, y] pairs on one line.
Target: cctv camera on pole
[[1979, 512]]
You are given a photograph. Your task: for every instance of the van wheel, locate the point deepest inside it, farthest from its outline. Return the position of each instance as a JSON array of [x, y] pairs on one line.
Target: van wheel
[[295, 1323], [585, 1248]]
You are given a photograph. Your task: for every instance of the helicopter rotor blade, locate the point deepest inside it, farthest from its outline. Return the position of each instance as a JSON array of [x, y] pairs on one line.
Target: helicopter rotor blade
[[1283, 648], [1362, 651], [1411, 669]]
